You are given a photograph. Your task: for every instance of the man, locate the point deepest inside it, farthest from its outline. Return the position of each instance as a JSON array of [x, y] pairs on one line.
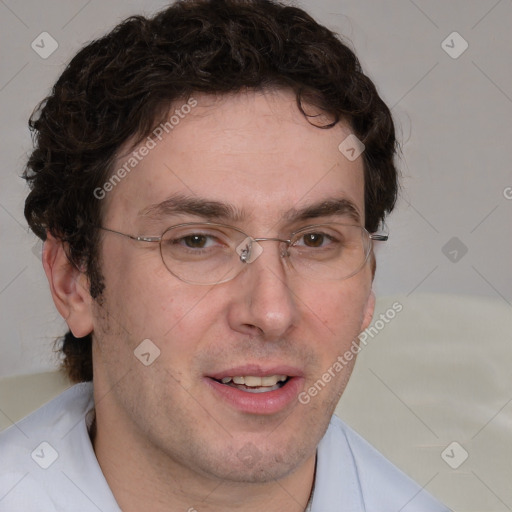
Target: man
[[209, 184]]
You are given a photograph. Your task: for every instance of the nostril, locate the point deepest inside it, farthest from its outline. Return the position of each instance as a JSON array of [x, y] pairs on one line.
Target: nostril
[[254, 331]]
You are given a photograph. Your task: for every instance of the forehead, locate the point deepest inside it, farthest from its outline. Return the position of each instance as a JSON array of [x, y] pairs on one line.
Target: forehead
[[253, 151]]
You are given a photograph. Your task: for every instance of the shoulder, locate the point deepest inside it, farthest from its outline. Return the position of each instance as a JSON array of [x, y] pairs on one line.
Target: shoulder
[[381, 485], [35, 467], [54, 419]]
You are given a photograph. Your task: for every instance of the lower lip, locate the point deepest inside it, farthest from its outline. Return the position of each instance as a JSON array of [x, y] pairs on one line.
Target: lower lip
[[269, 402]]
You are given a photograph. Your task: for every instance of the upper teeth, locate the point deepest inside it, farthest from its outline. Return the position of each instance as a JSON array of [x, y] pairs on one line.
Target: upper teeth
[[252, 381]]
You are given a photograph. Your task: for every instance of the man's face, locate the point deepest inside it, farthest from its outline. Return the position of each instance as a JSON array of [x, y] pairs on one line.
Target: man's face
[[257, 154]]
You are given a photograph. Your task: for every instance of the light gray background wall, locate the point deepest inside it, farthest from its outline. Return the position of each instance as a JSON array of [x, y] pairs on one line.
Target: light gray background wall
[[453, 116]]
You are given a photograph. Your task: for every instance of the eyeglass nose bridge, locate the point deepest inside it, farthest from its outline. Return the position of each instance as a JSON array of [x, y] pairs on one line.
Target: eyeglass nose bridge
[[245, 249]]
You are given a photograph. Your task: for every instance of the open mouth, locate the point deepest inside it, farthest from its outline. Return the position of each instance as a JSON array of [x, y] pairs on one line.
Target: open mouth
[[255, 390], [254, 384]]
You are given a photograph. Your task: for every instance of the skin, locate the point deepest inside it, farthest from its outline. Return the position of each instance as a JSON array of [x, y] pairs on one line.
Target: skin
[[164, 440]]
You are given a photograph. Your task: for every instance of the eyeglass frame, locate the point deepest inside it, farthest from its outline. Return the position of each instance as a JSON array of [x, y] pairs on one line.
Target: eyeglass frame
[[153, 239]]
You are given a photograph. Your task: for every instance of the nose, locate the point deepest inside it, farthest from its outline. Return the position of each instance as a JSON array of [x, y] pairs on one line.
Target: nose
[[262, 300]]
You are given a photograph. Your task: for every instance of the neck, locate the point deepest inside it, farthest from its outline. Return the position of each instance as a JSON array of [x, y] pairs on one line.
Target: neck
[[141, 477]]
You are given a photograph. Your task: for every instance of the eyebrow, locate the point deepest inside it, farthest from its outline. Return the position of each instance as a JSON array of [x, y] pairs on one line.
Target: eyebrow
[[326, 208], [181, 204]]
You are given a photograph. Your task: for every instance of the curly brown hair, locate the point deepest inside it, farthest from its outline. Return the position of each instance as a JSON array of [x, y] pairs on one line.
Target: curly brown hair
[[119, 87]]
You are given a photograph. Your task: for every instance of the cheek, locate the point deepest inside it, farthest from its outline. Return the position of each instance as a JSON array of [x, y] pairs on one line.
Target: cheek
[[136, 281], [149, 301], [336, 314], [340, 307]]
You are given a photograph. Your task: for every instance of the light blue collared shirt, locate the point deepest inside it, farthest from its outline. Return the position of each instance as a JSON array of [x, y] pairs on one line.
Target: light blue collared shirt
[[352, 476], [47, 463]]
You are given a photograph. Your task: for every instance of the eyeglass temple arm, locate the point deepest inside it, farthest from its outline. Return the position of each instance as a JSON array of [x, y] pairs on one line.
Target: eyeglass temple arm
[[380, 238], [136, 238]]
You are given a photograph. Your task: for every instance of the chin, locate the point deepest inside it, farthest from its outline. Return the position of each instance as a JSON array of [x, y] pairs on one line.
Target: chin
[[264, 471], [247, 462]]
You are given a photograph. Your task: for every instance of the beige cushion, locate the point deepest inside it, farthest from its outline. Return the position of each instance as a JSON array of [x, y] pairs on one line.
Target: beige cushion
[[23, 394], [440, 372]]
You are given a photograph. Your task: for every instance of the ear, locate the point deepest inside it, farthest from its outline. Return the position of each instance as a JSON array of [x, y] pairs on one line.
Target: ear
[[69, 287], [368, 311]]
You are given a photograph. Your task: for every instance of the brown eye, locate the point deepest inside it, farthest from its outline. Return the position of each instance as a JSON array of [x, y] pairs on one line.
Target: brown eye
[[314, 239], [195, 241]]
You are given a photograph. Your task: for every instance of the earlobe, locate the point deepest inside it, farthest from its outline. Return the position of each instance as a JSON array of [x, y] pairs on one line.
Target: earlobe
[[69, 287], [368, 311]]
